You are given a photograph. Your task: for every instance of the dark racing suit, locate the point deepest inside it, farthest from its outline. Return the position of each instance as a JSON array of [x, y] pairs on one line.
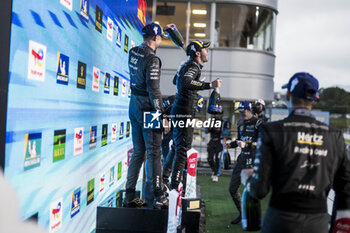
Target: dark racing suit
[[302, 159], [214, 148], [144, 67], [188, 83], [247, 131]]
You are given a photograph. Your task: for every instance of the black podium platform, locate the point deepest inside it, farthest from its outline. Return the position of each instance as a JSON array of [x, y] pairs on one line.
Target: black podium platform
[[129, 220]]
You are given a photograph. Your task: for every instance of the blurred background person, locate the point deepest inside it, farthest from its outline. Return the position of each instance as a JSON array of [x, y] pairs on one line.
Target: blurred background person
[[302, 159]]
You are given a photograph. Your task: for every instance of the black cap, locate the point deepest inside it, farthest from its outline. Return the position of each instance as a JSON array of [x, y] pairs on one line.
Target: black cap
[[196, 46], [153, 29]]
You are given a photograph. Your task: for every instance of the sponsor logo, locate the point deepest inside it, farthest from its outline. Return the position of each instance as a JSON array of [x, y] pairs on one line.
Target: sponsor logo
[[111, 176], [110, 202], [307, 187], [104, 134], [62, 69], [95, 79], [120, 168], [116, 85], [109, 29], [32, 150], [67, 3], [84, 9], [107, 83], [93, 137], [126, 43], [134, 60], [90, 191], [127, 129], [56, 213], [123, 87], [192, 164], [121, 130], [151, 120], [132, 44], [98, 20], [114, 132], [102, 182], [81, 79], [310, 139], [59, 144], [310, 151], [36, 61], [141, 11], [118, 31], [75, 204], [78, 141]]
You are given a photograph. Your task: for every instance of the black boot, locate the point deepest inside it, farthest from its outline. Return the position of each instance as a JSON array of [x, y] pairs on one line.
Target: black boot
[[161, 202]]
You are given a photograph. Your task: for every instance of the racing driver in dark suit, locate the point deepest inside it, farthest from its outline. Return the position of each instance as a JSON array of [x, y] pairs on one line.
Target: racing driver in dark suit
[[247, 135], [144, 68], [302, 159], [188, 83]]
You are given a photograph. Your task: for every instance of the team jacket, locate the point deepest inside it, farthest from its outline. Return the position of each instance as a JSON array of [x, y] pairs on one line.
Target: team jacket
[[302, 159], [144, 67], [188, 83], [247, 131]]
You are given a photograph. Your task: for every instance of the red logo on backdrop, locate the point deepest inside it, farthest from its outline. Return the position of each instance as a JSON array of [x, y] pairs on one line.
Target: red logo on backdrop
[[342, 225], [129, 155], [192, 164], [141, 11]]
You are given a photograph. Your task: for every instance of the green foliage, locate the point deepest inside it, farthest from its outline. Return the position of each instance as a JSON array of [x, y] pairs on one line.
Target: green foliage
[[340, 123], [334, 100]]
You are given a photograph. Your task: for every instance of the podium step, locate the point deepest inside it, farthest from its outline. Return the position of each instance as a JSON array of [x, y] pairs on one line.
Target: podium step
[[130, 220]]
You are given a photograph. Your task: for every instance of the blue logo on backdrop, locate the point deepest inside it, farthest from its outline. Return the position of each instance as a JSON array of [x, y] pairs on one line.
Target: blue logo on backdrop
[[151, 120]]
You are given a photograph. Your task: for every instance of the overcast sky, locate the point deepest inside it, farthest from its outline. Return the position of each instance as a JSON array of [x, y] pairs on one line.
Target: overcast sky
[[313, 36]]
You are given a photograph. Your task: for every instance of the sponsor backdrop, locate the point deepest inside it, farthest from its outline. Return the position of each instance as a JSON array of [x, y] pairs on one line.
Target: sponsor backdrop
[[68, 133]]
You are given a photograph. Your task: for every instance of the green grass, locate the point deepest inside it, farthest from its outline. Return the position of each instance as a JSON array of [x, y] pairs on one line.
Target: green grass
[[219, 207], [340, 122]]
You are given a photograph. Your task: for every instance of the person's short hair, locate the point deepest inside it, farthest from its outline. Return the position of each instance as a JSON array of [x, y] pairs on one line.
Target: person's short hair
[[147, 37], [301, 101]]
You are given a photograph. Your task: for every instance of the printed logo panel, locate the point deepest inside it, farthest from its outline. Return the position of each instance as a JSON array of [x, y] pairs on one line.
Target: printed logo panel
[[116, 85], [98, 20], [114, 132], [90, 191], [93, 137], [95, 79], [56, 212], [104, 134], [109, 29], [62, 69], [67, 3], [32, 150], [81, 79], [107, 83], [75, 204], [78, 141], [59, 145], [36, 61], [84, 9]]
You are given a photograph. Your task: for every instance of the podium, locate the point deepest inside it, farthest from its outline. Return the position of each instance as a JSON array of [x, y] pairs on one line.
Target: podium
[[132, 220]]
